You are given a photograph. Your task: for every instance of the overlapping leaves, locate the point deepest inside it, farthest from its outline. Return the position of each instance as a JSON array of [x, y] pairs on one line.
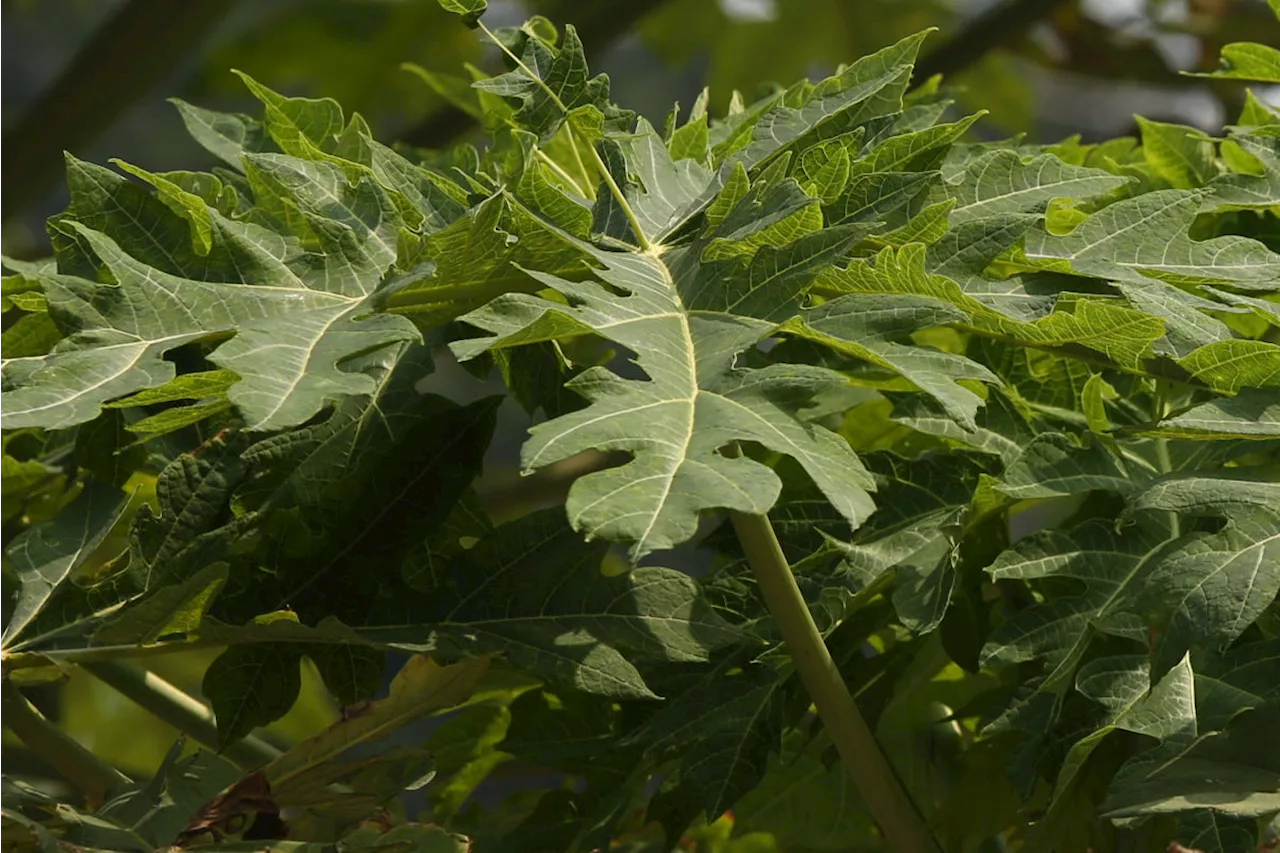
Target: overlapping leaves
[[779, 311]]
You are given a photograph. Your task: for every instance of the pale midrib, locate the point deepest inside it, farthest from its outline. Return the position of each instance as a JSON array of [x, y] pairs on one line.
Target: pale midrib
[[976, 209], [16, 625], [302, 371], [145, 345], [1109, 236], [689, 401]]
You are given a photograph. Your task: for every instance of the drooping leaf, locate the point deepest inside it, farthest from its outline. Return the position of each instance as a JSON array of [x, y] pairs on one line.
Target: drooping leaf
[[1211, 587], [534, 592], [46, 556], [421, 687], [1122, 334], [865, 326], [1108, 569], [175, 609], [1182, 156], [1249, 61], [470, 10], [1253, 413], [724, 731], [1051, 467], [804, 802], [252, 685]]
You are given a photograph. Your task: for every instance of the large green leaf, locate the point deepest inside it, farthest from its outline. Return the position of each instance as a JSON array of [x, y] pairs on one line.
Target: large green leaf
[[1108, 571], [823, 294], [536, 593], [686, 323], [297, 278]]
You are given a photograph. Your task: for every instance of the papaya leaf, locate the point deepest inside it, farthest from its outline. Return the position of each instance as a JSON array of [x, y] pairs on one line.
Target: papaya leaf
[[535, 592], [421, 687], [46, 556], [686, 329]]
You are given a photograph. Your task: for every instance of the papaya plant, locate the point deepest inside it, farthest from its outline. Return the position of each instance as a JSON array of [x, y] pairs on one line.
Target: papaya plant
[[966, 452]]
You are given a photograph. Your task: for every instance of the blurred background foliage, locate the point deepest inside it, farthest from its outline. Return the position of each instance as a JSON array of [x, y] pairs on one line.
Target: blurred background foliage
[[91, 77]]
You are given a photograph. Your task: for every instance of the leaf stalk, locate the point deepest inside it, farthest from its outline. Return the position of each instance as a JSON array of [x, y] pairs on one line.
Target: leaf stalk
[[886, 799], [559, 170], [183, 712], [78, 765]]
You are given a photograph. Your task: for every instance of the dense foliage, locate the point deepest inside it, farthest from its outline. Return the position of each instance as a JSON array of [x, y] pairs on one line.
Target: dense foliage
[[1012, 410]]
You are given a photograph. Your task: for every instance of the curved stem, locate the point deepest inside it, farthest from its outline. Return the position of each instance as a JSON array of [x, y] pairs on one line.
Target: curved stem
[[641, 240], [63, 753], [886, 799], [179, 710], [559, 170]]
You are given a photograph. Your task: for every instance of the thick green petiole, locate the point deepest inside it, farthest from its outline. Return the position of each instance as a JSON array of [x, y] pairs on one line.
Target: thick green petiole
[[179, 710], [888, 802], [96, 779]]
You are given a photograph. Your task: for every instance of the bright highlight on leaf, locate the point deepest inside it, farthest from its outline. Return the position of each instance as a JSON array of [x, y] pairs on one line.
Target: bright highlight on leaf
[[1007, 414]]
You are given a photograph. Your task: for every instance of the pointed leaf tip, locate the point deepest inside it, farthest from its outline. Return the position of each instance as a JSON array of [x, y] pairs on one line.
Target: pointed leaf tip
[[470, 10]]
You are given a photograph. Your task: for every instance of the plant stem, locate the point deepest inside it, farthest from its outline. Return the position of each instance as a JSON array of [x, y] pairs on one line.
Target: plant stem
[[641, 240], [29, 660], [559, 170], [63, 753], [582, 167], [179, 710], [887, 801], [511, 497]]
